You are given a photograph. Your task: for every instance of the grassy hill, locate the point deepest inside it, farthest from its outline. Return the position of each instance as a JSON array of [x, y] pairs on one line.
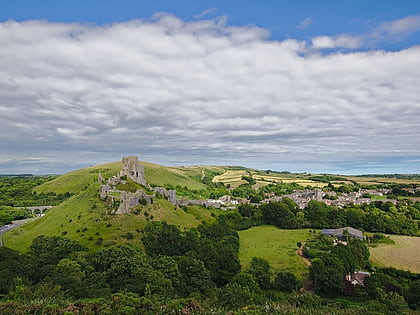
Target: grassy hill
[[84, 217]]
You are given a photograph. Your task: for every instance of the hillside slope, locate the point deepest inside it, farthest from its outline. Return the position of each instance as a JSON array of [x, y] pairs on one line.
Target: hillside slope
[[84, 217]]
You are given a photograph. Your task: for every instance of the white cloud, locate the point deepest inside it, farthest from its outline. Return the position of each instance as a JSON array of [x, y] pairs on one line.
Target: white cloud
[[305, 23], [406, 25], [199, 92], [340, 41], [205, 13], [391, 31]]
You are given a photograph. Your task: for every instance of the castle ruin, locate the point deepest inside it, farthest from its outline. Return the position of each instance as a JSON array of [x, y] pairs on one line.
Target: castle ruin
[[131, 168]]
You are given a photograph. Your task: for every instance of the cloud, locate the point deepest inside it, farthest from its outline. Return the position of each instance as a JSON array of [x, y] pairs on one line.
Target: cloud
[[407, 25], [205, 13], [396, 30], [340, 41], [391, 31], [305, 23], [199, 92]]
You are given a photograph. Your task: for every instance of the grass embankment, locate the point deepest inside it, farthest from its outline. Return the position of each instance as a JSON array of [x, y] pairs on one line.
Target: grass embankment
[[84, 217], [404, 254], [275, 245]]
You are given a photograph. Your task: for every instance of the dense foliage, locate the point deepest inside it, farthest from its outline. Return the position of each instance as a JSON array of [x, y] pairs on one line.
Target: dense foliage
[[17, 191], [402, 218]]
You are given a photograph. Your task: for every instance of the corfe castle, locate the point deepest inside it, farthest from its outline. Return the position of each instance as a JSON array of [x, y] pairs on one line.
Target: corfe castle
[[131, 169]]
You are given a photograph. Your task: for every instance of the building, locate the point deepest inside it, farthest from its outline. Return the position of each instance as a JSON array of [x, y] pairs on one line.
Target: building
[[342, 233]]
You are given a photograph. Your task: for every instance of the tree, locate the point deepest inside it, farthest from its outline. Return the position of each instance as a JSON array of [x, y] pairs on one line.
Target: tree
[[260, 269], [195, 278], [278, 214], [50, 250], [316, 212], [345, 254], [412, 295], [328, 274], [160, 238], [285, 281], [124, 267], [242, 290]]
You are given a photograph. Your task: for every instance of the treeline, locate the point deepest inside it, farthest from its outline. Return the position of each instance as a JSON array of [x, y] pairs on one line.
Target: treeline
[[374, 217], [17, 191]]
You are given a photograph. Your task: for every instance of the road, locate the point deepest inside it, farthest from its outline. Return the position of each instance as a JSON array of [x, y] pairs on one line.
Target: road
[[11, 227]]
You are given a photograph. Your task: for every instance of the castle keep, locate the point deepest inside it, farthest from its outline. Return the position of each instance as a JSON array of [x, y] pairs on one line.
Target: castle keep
[[131, 168]]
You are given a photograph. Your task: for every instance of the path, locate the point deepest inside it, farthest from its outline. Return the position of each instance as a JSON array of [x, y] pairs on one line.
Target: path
[[300, 254], [308, 284]]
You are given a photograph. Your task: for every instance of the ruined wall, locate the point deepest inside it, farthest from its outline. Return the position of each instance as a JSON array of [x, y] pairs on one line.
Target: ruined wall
[[133, 169]]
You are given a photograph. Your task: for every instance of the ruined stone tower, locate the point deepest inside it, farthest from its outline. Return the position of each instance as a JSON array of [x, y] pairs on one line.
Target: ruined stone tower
[[133, 169]]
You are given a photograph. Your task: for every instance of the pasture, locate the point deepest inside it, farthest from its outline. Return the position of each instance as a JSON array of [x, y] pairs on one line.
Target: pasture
[[275, 245], [404, 254]]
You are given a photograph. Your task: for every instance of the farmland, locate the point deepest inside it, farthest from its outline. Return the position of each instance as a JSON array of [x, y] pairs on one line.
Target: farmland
[[404, 254]]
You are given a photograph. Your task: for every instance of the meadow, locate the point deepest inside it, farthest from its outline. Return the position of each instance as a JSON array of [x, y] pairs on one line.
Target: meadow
[[404, 254], [277, 246]]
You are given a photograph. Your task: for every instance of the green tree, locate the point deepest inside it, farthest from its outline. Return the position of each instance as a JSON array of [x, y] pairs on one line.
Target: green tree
[[242, 290], [260, 270], [195, 278], [413, 295], [285, 281], [328, 274], [161, 238]]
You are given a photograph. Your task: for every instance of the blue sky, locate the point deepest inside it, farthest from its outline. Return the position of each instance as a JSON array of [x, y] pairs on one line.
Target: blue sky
[[300, 19], [316, 86]]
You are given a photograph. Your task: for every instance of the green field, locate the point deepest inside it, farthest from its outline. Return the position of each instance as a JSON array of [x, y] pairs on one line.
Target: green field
[[275, 245], [404, 254]]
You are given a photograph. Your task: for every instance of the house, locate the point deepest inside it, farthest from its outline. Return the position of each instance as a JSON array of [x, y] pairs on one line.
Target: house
[[342, 233], [354, 279]]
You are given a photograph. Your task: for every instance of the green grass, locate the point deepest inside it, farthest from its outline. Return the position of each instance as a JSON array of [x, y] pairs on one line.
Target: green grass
[[275, 245], [161, 175], [83, 219], [79, 180]]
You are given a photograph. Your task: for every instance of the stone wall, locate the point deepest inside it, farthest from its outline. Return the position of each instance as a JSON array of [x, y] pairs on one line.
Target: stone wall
[[133, 169]]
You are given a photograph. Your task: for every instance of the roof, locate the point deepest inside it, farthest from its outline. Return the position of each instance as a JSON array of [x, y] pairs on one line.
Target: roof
[[355, 233]]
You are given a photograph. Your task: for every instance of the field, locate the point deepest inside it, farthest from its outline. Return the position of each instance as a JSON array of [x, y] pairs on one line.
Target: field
[[404, 254], [234, 178], [365, 180], [275, 245]]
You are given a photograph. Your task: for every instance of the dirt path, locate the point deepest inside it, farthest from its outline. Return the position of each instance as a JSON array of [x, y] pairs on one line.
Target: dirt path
[[307, 284], [299, 252]]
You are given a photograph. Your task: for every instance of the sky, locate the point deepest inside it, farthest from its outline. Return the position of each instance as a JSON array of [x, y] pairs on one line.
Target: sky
[[301, 86]]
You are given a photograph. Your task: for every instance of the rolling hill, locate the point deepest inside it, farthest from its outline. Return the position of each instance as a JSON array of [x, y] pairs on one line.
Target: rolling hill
[[84, 217]]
